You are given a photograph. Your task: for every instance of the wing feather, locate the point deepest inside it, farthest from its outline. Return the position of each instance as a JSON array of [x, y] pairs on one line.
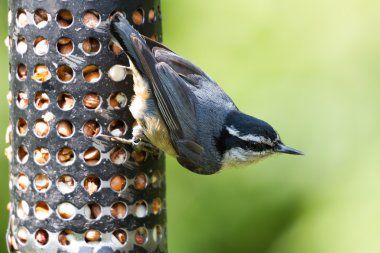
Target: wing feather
[[174, 98]]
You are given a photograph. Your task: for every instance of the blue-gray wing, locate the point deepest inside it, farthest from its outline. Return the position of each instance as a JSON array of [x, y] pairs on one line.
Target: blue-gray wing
[[180, 65], [174, 98], [175, 101]]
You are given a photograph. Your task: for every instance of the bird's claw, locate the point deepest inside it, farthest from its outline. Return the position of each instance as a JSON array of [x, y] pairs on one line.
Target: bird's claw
[[137, 143]]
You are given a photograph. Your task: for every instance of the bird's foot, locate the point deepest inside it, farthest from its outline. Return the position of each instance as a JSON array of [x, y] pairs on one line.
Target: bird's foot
[[138, 143]]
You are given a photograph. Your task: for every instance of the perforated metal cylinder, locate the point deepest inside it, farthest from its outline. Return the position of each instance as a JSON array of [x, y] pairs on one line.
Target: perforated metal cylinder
[[71, 189]]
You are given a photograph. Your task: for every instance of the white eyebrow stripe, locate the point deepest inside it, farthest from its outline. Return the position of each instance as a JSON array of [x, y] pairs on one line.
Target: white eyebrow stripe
[[249, 137]]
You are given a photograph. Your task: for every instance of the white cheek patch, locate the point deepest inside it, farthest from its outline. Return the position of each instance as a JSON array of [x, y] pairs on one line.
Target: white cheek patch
[[238, 157], [236, 154]]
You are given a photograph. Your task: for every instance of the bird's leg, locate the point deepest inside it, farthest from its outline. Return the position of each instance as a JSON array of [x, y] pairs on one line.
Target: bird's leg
[[139, 141]]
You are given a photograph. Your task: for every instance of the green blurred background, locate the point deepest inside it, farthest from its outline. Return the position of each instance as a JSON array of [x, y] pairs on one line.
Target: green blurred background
[[311, 69]]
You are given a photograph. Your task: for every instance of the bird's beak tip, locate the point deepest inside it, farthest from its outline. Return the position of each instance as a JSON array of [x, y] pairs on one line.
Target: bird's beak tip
[[281, 148]]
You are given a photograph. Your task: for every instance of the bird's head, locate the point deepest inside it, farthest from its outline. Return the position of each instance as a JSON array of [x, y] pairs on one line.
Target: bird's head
[[246, 139]]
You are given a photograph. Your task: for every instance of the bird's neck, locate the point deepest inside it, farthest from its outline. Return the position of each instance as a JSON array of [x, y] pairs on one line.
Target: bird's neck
[[227, 139]]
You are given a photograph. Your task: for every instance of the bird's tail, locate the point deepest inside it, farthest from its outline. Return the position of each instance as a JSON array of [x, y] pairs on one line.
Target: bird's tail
[[123, 32]]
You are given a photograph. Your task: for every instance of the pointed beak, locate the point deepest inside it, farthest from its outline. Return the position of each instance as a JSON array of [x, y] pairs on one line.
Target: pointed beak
[[281, 148]]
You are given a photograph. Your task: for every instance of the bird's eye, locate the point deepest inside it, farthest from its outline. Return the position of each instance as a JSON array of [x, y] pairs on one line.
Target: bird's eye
[[263, 146], [252, 145], [259, 146]]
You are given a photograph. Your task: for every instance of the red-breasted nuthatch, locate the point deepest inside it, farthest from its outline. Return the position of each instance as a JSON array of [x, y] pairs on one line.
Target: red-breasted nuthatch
[[183, 112]]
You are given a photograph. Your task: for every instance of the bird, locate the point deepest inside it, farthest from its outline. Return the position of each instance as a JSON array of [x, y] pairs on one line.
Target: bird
[[185, 113]]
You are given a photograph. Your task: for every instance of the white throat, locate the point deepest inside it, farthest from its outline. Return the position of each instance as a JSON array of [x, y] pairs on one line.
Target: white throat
[[237, 157]]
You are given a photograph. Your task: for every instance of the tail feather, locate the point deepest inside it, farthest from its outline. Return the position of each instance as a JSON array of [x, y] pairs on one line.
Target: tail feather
[[123, 32]]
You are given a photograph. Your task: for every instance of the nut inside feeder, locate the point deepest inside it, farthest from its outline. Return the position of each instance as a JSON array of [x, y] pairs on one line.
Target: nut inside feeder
[[42, 183], [22, 235], [156, 179], [119, 210], [21, 18], [65, 237], [65, 46], [91, 18], [115, 48], [118, 155], [22, 127], [152, 15], [91, 73], [65, 101], [41, 128], [141, 235], [92, 211], [118, 183], [66, 211], [93, 236], [64, 18], [119, 236], [22, 154], [65, 73], [22, 210], [139, 156], [117, 100], [41, 73], [138, 16], [9, 17], [140, 181], [41, 155], [41, 18], [156, 206], [22, 72], [22, 45], [91, 101], [22, 100], [12, 243], [91, 46], [92, 156], [141, 209], [41, 100], [91, 128], [118, 11], [23, 181], [66, 156], [92, 184], [42, 210], [41, 46], [42, 237], [117, 128], [8, 134], [66, 184], [9, 98], [8, 42], [157, 233], [65, 129], [117, 73]]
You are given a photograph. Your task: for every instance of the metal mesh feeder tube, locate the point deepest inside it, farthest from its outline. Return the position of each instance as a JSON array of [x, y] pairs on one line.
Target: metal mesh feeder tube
[[71, 189]]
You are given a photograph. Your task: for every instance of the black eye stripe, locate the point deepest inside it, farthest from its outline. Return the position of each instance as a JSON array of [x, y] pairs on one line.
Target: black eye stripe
[[255, 146], [226, 142]]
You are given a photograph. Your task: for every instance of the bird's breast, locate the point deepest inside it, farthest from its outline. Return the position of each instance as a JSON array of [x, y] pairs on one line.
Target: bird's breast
[[144, 109]]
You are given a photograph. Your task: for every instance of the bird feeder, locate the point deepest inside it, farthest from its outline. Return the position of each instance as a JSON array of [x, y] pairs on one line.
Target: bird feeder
[[71, 189]]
